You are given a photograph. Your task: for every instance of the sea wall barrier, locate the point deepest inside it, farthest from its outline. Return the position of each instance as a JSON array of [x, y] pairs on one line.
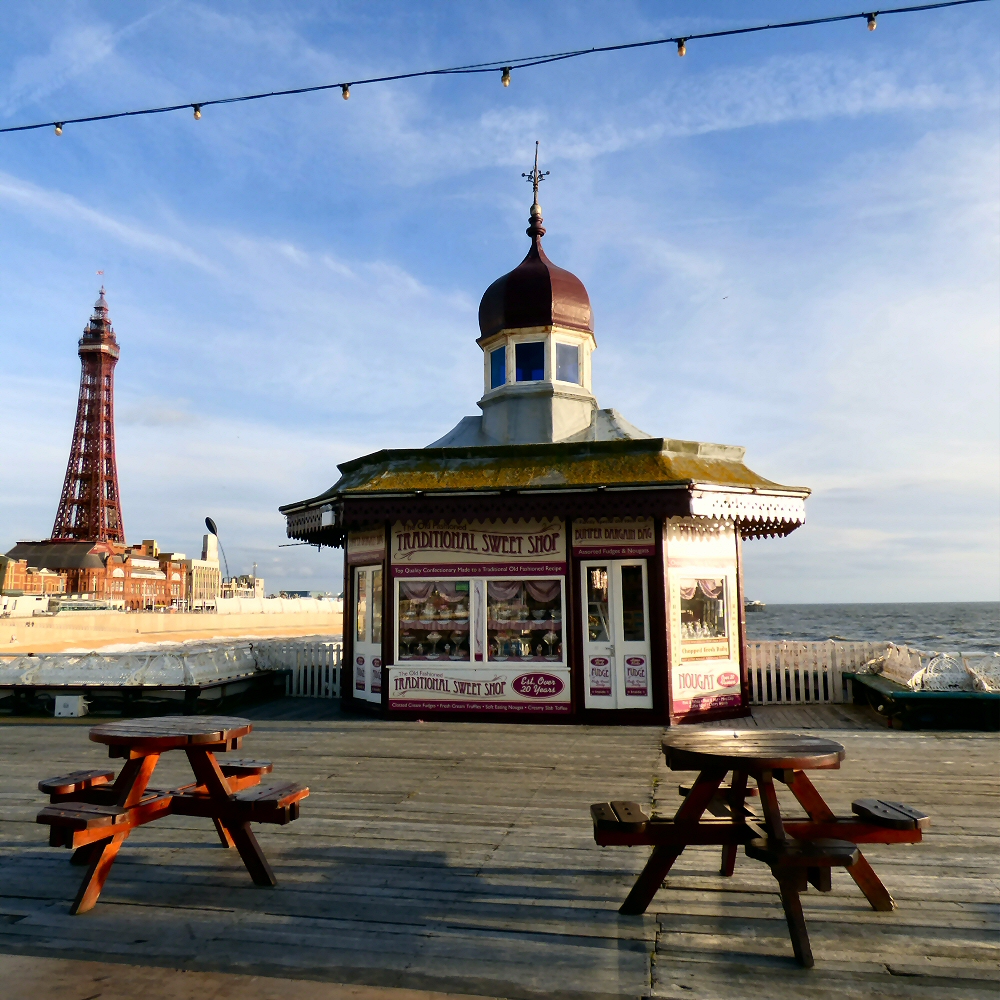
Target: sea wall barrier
[[779, 673]]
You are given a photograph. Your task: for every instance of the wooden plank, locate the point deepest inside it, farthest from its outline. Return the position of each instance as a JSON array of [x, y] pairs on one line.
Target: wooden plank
[[461, 857]]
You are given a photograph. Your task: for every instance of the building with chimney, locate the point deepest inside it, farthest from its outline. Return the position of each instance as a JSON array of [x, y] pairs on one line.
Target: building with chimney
[[545, 558]]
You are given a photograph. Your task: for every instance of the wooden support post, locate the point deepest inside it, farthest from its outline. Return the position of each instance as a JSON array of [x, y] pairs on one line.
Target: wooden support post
[[792, 905], [861, 871], [871, 885], [737, 798], [224, 835], [662, 858], [206, 770], [102, 858]]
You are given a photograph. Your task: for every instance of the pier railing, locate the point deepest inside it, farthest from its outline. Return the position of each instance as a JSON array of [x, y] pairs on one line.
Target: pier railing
[[803, 673], [314, 668]]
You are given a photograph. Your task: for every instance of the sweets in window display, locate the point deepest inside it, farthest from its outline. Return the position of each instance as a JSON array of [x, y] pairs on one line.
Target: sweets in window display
[[433, 620], [704, 634], [524, 620]]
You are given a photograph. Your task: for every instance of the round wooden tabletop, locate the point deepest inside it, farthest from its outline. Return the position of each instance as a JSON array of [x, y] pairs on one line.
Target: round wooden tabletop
[[171, 732], [750, 751]]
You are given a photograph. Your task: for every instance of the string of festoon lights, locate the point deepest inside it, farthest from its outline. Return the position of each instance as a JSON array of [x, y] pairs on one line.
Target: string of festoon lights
[[505, 67]]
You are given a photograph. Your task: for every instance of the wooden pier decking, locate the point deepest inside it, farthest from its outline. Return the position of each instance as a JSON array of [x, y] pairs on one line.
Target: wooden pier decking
[[460, 858]]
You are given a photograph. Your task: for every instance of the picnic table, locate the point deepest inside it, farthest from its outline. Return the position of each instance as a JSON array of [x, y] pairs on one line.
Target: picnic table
[[93, 812], [800, 852]]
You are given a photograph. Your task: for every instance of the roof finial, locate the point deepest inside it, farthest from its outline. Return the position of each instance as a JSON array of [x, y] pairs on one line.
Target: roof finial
[[536, 176]]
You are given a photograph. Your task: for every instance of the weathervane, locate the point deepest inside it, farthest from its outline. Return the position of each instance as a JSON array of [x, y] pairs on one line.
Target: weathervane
[[536, 176]]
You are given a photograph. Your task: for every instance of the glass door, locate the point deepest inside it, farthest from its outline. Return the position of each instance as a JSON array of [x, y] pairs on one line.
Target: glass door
[[368, 633], [616, 634]]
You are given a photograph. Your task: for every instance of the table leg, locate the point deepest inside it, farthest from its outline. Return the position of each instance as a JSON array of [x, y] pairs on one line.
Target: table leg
[[788, 887], [206, 770], [789, 883], [861, 871], [737, 797], [224, 836], [102, 858], [871, 885], [662, 858], [81, 856], [130, 785]]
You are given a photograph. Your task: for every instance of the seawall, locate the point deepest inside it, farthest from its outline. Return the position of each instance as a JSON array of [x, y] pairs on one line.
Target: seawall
[[98, 630]]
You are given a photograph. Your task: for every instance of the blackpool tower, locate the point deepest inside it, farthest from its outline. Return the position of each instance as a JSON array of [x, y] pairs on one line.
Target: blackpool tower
[[89, 507]]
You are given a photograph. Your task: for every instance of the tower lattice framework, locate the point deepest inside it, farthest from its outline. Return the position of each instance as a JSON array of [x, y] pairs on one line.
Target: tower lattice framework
[[90, 508]]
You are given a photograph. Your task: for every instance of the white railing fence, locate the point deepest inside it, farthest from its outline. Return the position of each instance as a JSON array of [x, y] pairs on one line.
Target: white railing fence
[[314, 667], [804, 673]]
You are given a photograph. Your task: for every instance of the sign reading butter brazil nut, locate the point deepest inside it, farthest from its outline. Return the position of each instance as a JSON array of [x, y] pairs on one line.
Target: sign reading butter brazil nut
[[479, 548], [631, 538]]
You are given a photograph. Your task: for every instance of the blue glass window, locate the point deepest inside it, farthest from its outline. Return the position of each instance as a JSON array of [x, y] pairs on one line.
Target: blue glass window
[[568, 363], [498, 367], [529, 361]]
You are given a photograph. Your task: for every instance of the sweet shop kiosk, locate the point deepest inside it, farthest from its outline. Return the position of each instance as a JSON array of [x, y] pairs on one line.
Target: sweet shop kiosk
[[545, 559]]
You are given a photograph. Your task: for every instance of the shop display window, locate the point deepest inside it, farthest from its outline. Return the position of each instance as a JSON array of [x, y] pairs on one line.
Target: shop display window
[[498, 367], [376, 605], [568, 363], [524, 620], [598, 623], [633, 613], [529, 361], [703, 609], [434, 620], [361, 605]]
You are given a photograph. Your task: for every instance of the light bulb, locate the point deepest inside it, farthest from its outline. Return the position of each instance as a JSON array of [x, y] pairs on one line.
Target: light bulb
[[58, 128], [681, 47], [871, 22], [197, 112], [345, 90], [505, 79]]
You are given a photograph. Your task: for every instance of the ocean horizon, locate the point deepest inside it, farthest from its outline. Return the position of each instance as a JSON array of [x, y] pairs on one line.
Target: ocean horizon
[[964, 627]]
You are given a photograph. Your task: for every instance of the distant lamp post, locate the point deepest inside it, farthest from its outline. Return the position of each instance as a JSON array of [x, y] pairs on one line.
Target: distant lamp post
[[210, 524]]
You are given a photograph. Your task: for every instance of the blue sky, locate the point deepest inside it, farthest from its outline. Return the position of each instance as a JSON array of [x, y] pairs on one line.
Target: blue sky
[[790, 241]]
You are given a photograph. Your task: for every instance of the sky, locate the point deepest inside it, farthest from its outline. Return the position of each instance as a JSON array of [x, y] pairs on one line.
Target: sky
[[790, 241]]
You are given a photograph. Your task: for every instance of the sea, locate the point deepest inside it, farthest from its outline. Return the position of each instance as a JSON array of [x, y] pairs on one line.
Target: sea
[[945, 628]]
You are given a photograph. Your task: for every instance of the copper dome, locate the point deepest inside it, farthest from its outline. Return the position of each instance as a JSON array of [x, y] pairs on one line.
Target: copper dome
[[535, 293]]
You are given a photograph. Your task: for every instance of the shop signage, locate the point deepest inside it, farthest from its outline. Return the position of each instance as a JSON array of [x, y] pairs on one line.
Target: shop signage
[[449, 689], [366, 547], [478, 548], [705, 649], [636, 677], [631, 538], [359, 674], [376, 675], [700, 687], [600, 676]]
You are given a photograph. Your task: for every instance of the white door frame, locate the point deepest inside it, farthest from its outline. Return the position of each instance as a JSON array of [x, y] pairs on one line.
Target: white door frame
[[366, 673], [617, 673]]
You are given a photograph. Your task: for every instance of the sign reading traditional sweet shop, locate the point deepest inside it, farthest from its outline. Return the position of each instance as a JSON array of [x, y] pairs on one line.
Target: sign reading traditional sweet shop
[[500, 689], [478, 548], [618, 538], [366, 547]]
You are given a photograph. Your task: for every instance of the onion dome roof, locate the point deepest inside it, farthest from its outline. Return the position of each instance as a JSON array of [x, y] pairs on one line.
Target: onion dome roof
[[535, 293]]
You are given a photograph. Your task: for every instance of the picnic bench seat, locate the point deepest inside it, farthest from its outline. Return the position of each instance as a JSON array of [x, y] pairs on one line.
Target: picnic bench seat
[[245, 768], [893, 815], [75, 781], [258, 804]]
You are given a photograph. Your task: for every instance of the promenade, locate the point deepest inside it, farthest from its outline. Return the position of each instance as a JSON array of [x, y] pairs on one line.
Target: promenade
[[460, 859]]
